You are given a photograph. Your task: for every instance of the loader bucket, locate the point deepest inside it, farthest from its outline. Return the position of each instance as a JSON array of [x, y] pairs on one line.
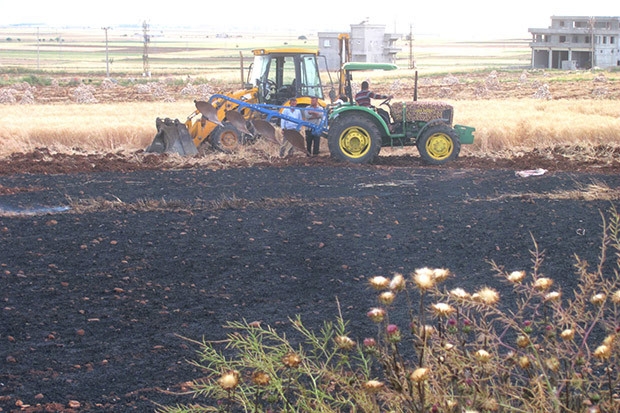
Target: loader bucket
[[296, 139], [172, 137], [208, 111], [266, 130], [238, 121]]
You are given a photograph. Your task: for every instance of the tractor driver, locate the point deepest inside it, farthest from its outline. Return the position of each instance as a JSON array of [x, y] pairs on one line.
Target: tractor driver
[[364, 96]]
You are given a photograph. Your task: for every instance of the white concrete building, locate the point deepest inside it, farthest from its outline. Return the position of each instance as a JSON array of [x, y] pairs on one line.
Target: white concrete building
[[368, 43], [576, 42]]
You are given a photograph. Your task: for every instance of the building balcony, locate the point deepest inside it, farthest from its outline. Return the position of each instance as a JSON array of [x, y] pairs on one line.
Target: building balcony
[[564, 45], [574, 31]]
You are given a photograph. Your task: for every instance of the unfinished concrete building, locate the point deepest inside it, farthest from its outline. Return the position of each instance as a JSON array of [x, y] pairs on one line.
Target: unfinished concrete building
[[368, 43], [576, 42]]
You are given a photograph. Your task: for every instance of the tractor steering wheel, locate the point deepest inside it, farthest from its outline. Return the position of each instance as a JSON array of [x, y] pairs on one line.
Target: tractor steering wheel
[[386, 101], [270, 88]]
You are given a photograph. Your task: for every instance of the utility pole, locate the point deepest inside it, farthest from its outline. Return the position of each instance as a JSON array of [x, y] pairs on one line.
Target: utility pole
[[38, 47], [411, 58], [592, 39], [107, 60], [146, 71]]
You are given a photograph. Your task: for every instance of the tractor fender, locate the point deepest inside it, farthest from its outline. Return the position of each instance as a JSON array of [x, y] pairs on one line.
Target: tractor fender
[[431, 123], [384, 129]]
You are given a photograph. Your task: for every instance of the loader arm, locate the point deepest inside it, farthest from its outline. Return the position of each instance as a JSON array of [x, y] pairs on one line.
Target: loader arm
[[272, 111]]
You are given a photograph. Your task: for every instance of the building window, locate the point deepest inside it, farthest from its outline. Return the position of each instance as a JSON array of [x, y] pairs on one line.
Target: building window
[[562, 39], [561, 23], [575, 39], [327, 43], [612, 40]]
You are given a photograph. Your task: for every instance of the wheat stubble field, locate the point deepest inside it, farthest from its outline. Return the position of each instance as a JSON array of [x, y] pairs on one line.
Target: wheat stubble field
[[109, 255]]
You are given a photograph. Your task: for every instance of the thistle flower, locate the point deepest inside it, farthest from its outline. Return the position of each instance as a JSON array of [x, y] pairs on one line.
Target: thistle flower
[[370, 342], [568, 334], [393, 333], [516, 276], [452, 404], [553, 364], [428, 331], [602, 352], [543, 283], [423, 278], [490, 404], [615, 297], [523, 341], [460, 294], [440, 274], [609, 340], [598, 299], [379, 282], [387, 297], [483, 355], [229, 380], [291, 360], [260, 378], [370, 346], [397, 283], [376, 314], [487, 296], [553, 296], [442, 309], [419, 375], [344, 343], [524, 362], [373, 386]]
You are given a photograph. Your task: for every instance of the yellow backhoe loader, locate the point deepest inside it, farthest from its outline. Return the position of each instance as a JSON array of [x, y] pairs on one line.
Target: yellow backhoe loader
[[224, 121]]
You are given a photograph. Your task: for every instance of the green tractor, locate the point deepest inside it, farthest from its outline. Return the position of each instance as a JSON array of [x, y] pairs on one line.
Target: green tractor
[[356, 133]]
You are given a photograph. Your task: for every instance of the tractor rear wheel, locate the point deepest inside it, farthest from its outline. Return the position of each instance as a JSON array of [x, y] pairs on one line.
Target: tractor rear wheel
[[226, 138], [439, 144], [354, 138]]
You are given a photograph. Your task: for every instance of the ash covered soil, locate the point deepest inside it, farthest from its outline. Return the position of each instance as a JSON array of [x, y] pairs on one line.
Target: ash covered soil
[[96, 297]]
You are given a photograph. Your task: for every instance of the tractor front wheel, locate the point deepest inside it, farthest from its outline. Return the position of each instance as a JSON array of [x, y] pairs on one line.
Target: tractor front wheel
[[226, 138], [354, 138], [439, 144]]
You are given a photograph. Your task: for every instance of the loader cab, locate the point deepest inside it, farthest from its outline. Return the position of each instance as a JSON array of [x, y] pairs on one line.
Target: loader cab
[[281, 74]]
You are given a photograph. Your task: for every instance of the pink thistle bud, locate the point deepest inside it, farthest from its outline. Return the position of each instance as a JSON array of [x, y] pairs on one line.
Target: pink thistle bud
[[370, 342], [393, 333]]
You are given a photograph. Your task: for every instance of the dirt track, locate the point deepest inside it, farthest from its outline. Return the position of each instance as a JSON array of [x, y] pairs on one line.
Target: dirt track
[[94, 297]]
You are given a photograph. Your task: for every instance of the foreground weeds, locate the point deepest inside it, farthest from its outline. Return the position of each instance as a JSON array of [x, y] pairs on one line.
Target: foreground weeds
[[534, 348]]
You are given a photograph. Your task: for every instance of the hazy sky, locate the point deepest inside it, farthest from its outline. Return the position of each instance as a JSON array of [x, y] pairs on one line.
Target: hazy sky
[[448, 18]]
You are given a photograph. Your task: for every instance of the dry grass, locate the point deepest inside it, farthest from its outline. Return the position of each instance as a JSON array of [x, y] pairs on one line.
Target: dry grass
[[503, 127], [594, 191], [530, 123]]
